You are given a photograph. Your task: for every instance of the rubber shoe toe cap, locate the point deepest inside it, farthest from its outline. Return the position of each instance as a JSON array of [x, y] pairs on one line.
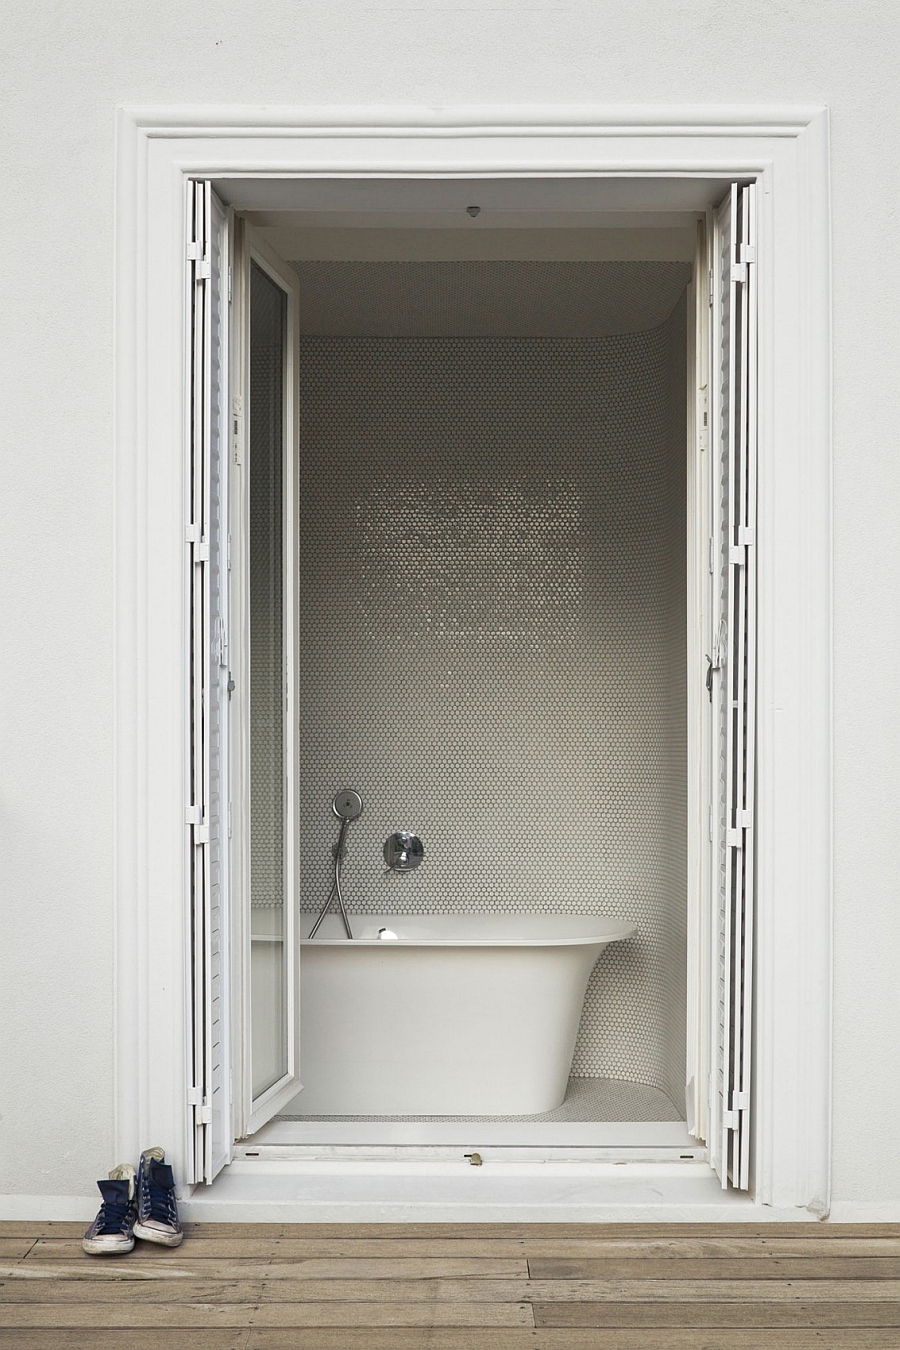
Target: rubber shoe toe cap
[[156, 1231]]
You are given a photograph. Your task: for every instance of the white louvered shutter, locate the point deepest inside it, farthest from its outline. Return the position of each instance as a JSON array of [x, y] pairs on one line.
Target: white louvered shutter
[[734, 659], [210, 1133]]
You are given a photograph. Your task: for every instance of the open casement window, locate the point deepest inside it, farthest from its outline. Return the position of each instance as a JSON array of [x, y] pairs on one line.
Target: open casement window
[[264, 564], [732, 677], [209, 1132]]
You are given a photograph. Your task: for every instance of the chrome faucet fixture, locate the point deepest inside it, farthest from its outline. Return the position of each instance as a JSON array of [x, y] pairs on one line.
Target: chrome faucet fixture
[[346, 805], [403, 851]]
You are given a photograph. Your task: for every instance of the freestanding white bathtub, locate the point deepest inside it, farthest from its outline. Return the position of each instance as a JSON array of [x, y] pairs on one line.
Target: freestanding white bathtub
[[470, 1014]]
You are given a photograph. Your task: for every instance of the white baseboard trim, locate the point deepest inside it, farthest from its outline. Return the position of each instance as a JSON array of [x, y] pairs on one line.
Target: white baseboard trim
[[66, 1208], [865, 1211], [440, 1192], [381, 1197]]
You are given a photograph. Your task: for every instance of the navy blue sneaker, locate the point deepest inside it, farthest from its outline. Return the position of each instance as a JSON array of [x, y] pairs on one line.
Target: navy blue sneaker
[[113, 1229], [157, 1214]]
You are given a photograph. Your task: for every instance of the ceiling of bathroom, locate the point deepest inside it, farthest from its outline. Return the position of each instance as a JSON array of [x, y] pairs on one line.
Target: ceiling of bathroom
[[629, 239], [487, 298], [581, 218], [503, 196], [579, 257]]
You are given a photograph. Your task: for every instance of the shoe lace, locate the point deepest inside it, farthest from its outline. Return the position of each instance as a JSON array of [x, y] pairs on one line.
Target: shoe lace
[[114, 1216], [162, 1203]]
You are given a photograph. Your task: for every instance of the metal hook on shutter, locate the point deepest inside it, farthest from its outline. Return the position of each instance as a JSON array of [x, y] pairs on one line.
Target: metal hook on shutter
[[710, 667]]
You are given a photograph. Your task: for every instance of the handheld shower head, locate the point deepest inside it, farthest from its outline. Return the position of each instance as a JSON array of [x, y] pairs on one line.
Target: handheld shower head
[[347, 804]]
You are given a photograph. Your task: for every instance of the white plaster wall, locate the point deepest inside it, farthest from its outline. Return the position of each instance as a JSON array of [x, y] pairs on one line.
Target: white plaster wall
[[65, 69]]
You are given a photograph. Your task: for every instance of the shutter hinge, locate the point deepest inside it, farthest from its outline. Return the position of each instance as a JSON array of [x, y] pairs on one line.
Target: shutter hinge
[[202, 265], [746, 256], [734, 838], [746, 538], [740, 1101], [201, 1105], [199, 546], [193, 816], [230, 286]]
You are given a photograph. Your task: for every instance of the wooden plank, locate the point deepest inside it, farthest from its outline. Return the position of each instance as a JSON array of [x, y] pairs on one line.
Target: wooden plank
[[713, 1291], [278, 1248], [722, 1315], [449, 1338], [297, 1249], [320, 1268], [569, 1338], [335, 1314], [136, 1291], [570, 1314], [195, 1338], [169, 1266], [365, 1291], [13, 1247], [279, 1287], [674, 1268], [341, 1313], [800, 1248]]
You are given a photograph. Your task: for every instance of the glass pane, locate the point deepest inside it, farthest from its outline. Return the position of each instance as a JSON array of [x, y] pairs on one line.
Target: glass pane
[[268, 1011]]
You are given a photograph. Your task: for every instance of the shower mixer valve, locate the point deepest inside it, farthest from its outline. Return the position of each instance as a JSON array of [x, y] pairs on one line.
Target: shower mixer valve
[[403, 851]]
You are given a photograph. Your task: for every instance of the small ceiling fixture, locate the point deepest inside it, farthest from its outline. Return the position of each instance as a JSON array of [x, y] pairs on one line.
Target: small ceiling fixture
[[472, 211]]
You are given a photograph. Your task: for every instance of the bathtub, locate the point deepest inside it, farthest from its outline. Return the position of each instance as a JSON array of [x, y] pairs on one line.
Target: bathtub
[[461, 1015]]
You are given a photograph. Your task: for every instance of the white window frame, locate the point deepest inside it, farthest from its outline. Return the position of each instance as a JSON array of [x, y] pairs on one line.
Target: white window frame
[[786, 151], [251, 1112]]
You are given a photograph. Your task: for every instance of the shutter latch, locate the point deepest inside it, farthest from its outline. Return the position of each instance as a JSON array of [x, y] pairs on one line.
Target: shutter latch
[[712, 666]]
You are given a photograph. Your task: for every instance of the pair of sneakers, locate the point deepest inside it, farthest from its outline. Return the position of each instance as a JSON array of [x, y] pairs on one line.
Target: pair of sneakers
[[135, 1204]]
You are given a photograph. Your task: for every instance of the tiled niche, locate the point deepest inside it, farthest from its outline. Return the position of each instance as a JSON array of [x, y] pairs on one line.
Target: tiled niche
[[492, 645]]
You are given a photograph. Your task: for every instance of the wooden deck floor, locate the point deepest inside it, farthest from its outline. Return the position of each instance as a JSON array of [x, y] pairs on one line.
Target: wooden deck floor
[[457, 1287]]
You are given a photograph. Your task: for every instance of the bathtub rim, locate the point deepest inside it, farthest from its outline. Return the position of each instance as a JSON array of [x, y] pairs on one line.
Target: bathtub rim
[[603, 931]]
